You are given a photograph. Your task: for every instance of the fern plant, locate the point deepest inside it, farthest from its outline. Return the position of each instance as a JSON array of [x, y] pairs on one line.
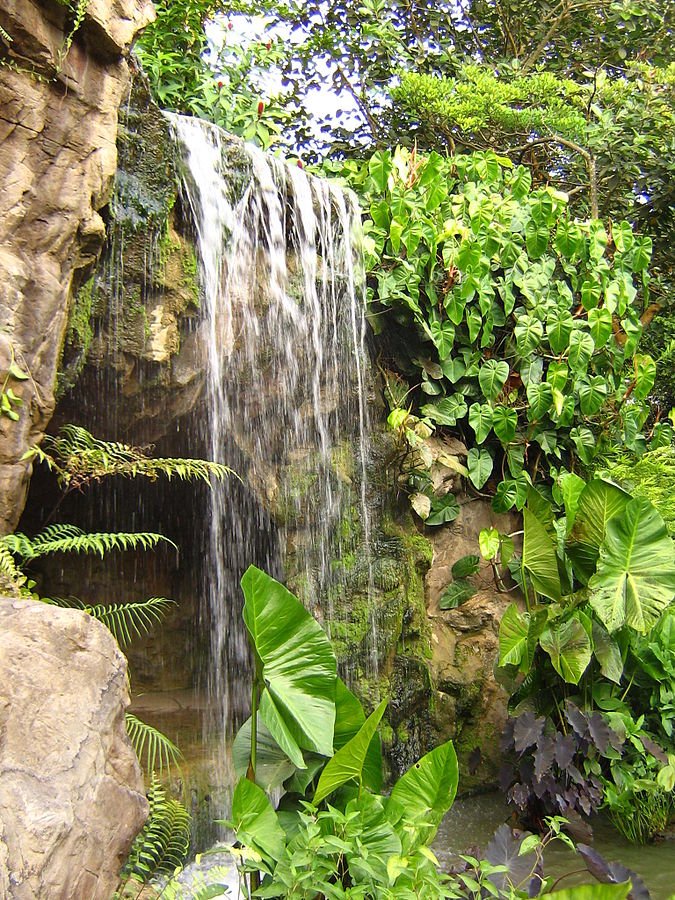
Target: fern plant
[[163, 843], [124, 620], [153, 749], [77, 458]]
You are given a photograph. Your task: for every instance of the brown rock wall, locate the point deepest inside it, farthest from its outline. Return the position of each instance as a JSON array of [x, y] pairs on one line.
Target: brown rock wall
[[58, 125]]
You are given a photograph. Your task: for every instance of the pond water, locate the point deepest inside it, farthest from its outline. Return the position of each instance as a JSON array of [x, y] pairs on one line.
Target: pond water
[[472, 821]]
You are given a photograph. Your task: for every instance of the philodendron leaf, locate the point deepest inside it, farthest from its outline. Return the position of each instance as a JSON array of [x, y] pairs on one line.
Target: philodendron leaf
[[539, 557], [465, 565], [298, 667], [479, 463], [504, 422], [569, 647], [492, 378], [635, 576], [427, 790], [254, 821], [598, 503], [571, 486], [348, 763], [444, 510], [456, 593], [273, 767], [488, 541]]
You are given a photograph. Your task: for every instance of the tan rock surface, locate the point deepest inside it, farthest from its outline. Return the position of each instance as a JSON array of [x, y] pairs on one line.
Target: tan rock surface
[[58, 124], [71, 791], [470, 705]]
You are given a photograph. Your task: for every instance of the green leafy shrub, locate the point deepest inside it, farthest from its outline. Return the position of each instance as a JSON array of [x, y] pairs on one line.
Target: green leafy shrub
[[514, 324], [589, 655]]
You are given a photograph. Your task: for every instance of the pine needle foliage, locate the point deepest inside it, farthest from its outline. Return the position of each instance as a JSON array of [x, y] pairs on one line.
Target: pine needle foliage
[[125, 621], [154, 750], [71, 539], [77, 459], [162, 845]]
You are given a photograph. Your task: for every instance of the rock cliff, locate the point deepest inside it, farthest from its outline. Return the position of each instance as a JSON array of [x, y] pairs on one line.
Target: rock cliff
[[59, 96]]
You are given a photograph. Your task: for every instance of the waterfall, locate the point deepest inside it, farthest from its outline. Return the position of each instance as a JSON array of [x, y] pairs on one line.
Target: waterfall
[[287, 384]]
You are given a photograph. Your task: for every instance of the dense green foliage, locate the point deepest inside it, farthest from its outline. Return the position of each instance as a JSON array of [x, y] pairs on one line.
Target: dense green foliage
[[588, 661], [333, 834], [515, 324], [580, 92]]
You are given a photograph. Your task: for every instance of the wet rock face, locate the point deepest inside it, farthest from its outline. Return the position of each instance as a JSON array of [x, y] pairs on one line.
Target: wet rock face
[[71, 791], [469, 704], [58, 125]]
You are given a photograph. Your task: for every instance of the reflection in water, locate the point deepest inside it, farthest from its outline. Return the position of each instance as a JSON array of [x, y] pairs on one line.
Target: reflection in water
[[472, 821]]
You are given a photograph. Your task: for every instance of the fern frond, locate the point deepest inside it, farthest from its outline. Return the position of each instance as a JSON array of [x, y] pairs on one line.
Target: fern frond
[[18, 544], [78, 457], [98, 542], [164, 841], [149, 743], [129, 620], [12, 579], [124, 620]]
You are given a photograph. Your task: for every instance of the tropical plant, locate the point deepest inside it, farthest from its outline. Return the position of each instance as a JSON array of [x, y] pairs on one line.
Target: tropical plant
[[598, 584], [333, 835], [162, 844], [514, 324], [309, 734], [78, 459], [220, 80]]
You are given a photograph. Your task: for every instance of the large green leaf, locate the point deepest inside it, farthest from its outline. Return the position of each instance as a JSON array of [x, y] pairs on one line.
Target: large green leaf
[[492, 378], [298, 667], [255, 822], [349, 717], [513, 632], [479, 463], [599, 502], [607, 652], [539, 557], [427, 790], [272, 766], [569, 647], [348, 763], [635, 577]]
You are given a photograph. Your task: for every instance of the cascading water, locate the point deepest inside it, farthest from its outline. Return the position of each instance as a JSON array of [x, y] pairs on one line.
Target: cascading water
[[288, 373]]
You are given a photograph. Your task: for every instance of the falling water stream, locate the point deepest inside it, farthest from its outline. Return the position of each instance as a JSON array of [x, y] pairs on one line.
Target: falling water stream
[[287, 372]]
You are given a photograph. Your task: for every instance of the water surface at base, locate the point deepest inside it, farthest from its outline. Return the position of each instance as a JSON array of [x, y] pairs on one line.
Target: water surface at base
[[472, 821]]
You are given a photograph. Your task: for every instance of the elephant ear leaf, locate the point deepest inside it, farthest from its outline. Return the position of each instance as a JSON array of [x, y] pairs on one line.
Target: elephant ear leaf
[[427, 790], [349, 717], [255, 822], [539, 557], [599, 502], [569, 647], [297, 666], [635, 577], [349, 761], [273, 767]]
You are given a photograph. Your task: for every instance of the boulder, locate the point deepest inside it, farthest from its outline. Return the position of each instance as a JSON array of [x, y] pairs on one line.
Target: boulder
[[71, 790]]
